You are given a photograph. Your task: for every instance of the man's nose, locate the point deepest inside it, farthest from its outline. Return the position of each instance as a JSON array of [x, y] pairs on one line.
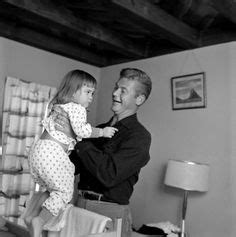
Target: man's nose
[[115, 92]]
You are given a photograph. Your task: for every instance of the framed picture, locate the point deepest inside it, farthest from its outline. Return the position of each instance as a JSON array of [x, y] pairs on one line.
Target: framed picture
[[188, 91]]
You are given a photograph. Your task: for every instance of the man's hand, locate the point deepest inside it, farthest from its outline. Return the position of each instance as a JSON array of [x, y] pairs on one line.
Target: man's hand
[[109, 132], [62, 122]]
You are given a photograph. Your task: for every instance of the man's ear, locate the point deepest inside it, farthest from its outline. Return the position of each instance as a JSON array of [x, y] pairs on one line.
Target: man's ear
[[140, 99]]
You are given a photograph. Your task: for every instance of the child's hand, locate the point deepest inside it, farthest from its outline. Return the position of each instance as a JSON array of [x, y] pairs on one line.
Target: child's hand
[[109, 131]]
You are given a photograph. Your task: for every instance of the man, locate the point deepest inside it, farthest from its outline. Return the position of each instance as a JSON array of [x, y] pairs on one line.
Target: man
[[109, 167]]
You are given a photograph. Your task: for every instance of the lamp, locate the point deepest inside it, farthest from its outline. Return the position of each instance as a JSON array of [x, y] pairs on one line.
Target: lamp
[[189, 176]]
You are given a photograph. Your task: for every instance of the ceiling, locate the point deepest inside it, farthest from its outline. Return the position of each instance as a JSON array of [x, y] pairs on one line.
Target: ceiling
[[108, 32]]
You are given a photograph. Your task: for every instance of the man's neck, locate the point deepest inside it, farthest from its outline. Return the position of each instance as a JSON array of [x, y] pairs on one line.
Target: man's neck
[[122, 116], [114, 120]]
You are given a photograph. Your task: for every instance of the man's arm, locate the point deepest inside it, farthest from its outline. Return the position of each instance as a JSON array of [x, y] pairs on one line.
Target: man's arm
[[112, 167]]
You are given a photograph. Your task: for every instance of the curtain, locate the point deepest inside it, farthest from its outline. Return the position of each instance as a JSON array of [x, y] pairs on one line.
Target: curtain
[[23, 109]]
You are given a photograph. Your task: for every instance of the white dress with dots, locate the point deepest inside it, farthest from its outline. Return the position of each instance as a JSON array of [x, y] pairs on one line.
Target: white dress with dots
[[50, 165]]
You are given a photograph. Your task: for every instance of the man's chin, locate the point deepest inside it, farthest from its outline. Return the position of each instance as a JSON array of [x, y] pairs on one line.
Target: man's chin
[[115, 107]]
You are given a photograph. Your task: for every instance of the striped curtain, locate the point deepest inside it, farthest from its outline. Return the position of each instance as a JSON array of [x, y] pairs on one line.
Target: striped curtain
[[23, 109]]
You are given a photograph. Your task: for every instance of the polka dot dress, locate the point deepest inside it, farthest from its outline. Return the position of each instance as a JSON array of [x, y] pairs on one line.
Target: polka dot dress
[[50, 166], [78, 119], [52, 169]]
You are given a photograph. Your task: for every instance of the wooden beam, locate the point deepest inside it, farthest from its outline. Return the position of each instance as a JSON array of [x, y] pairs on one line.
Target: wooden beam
[[218, 37], [226, 7], [91, 5], [157, 20], [59, 16], [54, 45]]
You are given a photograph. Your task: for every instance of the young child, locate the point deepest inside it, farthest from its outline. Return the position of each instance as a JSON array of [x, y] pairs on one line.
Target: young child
[[49, 162]]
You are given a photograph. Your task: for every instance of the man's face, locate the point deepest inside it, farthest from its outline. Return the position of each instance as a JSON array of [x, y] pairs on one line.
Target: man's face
[[124, 98]]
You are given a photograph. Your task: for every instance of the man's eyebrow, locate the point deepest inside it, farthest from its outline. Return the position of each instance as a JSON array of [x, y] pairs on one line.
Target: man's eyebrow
[[123, 87]]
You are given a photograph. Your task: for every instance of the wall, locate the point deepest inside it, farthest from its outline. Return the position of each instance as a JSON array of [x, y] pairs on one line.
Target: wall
[[233, 134], [202, 135], [28, 63]]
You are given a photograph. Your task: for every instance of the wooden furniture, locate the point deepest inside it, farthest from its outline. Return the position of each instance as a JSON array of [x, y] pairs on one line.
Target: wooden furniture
[[17, 230], [114, 230]]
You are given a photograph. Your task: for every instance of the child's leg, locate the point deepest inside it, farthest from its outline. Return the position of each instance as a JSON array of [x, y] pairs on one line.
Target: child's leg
[[29, 209], [39, 221], [34, 207], [57, 176]]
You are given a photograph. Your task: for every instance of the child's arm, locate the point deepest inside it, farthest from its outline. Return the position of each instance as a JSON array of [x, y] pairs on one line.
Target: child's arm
[[103, 132], [78, 120]]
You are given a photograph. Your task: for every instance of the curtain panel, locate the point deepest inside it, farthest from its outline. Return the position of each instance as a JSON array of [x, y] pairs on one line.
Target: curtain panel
[[23, 110]]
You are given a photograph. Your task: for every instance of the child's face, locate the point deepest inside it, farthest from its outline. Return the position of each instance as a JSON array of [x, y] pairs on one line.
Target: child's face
[[84, 95]]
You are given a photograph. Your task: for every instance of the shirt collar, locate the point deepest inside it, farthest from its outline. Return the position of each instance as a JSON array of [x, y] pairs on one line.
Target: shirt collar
[[128, 121]]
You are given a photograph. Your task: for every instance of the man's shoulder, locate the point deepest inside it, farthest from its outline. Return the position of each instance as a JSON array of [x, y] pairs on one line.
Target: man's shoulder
[[136, 128], [142, 129]]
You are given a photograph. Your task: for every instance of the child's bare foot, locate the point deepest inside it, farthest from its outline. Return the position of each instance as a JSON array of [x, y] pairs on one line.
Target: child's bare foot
[[37, 226], [28, 220]]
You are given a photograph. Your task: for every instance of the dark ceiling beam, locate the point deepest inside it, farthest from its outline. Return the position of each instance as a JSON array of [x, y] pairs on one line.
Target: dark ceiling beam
[[25, 35], [91, 5], [218, 37], [226, 7], [157, 20], [62, 17]]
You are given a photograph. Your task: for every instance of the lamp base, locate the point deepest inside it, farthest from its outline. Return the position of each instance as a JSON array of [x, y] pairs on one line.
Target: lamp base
[[183, 235]]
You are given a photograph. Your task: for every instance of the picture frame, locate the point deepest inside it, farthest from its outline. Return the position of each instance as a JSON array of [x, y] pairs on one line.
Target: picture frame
[[188, 91]]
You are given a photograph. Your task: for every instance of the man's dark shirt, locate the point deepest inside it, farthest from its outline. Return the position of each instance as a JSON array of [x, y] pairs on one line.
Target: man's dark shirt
[[111, 165]]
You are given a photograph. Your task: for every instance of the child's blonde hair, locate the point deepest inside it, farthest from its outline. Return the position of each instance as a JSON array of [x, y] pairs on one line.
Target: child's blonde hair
[[71, 82]]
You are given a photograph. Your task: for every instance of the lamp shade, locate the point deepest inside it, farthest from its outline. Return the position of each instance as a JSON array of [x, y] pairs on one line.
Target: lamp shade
[[187, 175]]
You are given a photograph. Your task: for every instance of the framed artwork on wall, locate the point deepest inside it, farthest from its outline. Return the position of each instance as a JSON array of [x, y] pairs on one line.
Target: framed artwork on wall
[[188, 91]]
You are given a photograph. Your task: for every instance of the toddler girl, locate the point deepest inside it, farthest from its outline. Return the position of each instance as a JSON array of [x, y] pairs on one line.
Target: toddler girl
[[49, 162]]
